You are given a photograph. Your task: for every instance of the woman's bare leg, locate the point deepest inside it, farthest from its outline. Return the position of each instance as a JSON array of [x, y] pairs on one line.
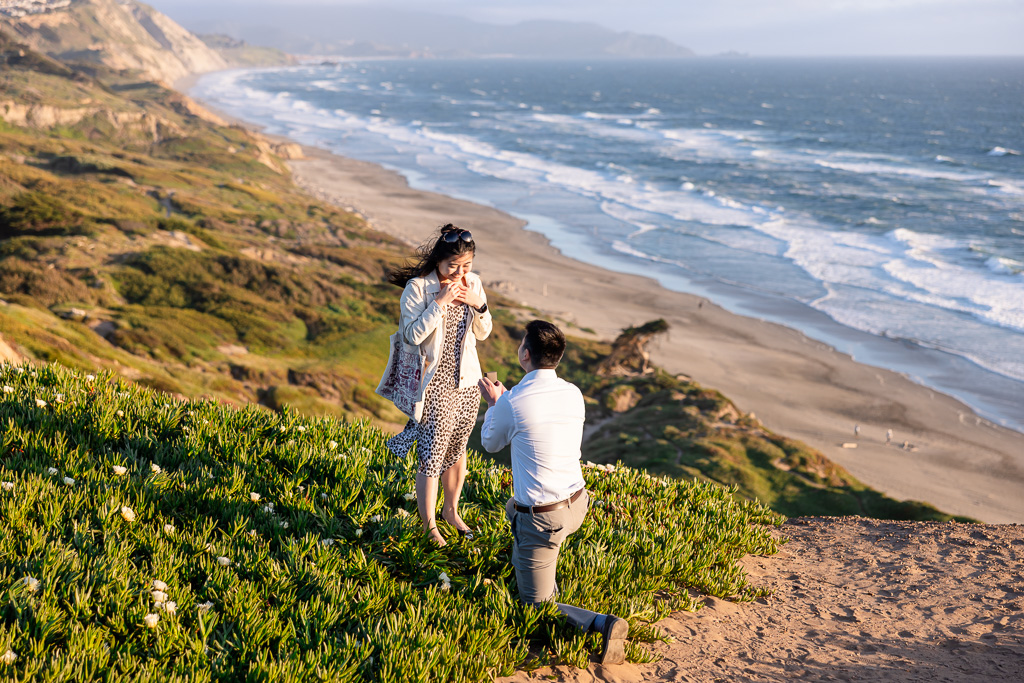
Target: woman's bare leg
[[426, 501], [452, 480]]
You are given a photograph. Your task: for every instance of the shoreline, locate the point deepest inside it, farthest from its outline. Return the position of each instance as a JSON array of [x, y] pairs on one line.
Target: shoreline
[[797, 386]]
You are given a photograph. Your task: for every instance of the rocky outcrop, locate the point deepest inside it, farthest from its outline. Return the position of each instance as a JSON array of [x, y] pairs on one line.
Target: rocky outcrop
[[123, 35]]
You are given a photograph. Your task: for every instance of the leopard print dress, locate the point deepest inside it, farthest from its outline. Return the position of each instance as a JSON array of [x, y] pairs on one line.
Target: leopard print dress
[[449, 413]]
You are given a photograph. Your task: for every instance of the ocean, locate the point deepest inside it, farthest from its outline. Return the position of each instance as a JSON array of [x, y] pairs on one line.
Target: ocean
[[874, 204]]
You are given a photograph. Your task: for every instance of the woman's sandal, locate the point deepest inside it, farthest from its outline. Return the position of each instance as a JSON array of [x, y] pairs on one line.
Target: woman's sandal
[[467, 534]]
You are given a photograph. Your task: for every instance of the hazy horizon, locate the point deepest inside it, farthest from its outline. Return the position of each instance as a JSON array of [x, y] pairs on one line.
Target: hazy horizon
[[783, 28]]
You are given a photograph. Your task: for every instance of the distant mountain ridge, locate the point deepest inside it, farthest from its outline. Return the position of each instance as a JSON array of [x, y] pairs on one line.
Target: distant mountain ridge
[[362, 31]]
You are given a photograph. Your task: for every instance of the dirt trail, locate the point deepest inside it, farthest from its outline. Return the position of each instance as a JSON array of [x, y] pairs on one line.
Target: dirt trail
[[855, 600]]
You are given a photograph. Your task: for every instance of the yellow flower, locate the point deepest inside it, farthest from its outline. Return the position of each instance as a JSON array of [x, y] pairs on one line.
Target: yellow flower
[[119, 471], [155, 468], [127, 513]]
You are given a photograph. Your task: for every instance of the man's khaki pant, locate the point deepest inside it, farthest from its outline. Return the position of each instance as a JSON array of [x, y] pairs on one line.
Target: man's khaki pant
[[536, 541]]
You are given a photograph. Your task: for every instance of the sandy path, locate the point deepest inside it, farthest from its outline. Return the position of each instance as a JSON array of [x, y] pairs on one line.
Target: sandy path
[[855, 600], [796, 386]]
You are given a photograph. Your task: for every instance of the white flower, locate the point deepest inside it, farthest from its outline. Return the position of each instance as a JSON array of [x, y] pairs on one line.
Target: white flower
[[487, 582], [205, 607], [120, 413], [9, 657], [89, 378], [40, 403], [444, 577], [252, 532], [7, 485], [223, 561], [284, 524], [375, 518], [69, 481], [159, 597], [119, 470], [254, 497], [154, 468], [168, 529], [127, 513], [268, 508], [302, 489], [21, 371], [330, 444], [324, 496], [401, 512], [159, 585], [359, 532], [10, 390], [52, 470], [171, 607], [31, 583], [151, 620], [328, 542], [58, 398], [300, 429], [410, 496], [589, 464]]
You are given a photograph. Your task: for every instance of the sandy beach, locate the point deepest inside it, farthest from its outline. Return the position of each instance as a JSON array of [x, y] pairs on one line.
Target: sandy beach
[[797, 386]]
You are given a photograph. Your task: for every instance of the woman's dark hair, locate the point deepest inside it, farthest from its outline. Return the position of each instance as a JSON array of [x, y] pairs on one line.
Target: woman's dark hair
[[432, 253], [545, 342]]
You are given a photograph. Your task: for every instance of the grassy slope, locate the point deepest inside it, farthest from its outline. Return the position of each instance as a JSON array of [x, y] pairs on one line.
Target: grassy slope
[[252, 291], [327, 574]]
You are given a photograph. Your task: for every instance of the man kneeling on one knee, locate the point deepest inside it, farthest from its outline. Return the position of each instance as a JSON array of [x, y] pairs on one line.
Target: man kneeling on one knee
[[542, 418]]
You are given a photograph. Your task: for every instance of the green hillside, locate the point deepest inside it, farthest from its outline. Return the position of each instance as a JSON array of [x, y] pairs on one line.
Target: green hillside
[[149, 538]]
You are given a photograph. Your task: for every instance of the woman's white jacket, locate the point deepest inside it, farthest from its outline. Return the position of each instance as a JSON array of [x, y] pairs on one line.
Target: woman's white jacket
[[423, 326]]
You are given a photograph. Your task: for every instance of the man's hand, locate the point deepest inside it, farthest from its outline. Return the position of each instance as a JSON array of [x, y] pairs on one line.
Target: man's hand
[[491, 391]]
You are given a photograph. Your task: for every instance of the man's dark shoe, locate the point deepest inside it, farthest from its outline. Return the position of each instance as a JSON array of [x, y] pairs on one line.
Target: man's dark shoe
[[615, 631]]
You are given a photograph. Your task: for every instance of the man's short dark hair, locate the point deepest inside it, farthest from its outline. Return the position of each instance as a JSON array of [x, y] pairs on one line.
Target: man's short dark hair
[[545, 342]]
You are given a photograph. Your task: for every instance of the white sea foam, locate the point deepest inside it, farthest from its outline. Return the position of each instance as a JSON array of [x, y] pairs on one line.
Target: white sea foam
[[866, 276], [1002, 152]]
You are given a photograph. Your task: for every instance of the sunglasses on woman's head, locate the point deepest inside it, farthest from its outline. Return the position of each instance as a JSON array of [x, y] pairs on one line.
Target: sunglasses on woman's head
[[453, 236]]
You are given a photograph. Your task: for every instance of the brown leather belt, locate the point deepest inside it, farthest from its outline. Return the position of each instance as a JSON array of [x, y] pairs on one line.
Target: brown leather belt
[[550, 507]]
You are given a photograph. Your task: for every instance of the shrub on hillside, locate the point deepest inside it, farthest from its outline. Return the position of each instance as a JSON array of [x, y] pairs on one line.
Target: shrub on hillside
[[35, 213]]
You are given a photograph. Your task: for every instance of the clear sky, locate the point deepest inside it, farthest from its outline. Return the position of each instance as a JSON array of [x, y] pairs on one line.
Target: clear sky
[[758, 27]]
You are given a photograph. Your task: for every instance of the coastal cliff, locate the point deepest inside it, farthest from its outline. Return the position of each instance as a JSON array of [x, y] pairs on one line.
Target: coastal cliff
[[123, 35]]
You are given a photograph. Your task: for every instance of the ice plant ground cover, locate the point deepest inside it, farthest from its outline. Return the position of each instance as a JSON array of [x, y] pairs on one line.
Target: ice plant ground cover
[[328, 576]]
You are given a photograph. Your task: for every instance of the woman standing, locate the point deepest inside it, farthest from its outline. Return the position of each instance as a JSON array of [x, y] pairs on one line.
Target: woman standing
[[444, 312]]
